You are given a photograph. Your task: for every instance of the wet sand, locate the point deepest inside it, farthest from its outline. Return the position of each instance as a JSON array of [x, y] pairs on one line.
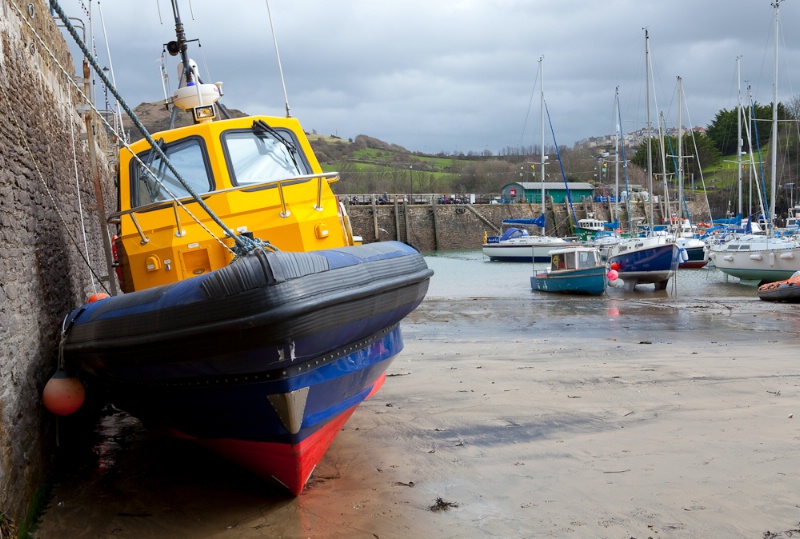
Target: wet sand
[[622, 416]]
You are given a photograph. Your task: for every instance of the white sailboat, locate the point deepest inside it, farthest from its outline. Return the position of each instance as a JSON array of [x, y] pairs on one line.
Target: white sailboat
[[755, 257], [516, 244], [651, 259]]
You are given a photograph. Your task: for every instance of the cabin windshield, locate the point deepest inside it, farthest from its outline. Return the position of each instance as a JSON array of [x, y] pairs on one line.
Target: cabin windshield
[[188, 158], [259, 157], [586, 259]]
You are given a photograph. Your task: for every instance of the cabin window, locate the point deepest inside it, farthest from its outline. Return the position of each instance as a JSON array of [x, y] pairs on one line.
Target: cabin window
[[260, 156], [586, 259], [188, 158]]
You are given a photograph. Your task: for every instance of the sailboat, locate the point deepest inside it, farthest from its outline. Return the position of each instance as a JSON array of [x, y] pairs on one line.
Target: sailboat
[[766, 257], [516, 243], [252, 323], [652, 258]]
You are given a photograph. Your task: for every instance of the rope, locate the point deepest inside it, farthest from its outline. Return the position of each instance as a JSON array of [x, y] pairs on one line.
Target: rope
[[23, 142], [113, 131], [78, 188], [243, 244], [117, 113], [560, 164]]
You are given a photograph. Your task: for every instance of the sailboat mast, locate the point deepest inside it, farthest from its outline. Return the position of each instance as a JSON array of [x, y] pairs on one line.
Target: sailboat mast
[[541, 114], [649, 131], [616, 154], [739, 130], [774, 141], [679, 170]]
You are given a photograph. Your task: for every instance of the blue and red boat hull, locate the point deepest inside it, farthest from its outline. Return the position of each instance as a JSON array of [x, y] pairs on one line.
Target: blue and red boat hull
[[262, 371]]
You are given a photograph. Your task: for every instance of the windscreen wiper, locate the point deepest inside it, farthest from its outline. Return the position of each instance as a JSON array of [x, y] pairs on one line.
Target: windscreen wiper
[[260, 126]]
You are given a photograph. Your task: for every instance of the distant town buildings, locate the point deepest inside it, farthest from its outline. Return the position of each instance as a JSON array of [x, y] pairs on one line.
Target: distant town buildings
[[632, 139]]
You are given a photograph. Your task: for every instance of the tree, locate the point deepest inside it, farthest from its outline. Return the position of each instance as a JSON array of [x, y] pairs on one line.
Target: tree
[[701, 148], [723, 129]]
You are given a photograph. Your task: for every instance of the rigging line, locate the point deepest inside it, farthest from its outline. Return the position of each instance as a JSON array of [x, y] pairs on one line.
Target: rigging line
[[625, 175], [754, 171], [697, 154], [111, 129], [78, 187], [158, 8], [762, 195], [203, 56], [243, 243], [768, 40], [24, 143], [530, 104], [560, 164], [117, 111]]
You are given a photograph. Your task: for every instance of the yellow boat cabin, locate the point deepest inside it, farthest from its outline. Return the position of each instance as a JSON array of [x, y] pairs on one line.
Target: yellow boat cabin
[[257, 174]]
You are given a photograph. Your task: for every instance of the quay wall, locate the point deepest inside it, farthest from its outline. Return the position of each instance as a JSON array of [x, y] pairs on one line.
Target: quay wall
[[48, 224], [432, 227]]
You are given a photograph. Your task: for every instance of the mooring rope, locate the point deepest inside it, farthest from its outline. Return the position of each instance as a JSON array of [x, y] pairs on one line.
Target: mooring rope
[[78, 188], [243, 244]]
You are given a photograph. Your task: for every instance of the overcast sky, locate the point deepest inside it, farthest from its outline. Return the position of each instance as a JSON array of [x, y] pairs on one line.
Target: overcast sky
[[460, 75]]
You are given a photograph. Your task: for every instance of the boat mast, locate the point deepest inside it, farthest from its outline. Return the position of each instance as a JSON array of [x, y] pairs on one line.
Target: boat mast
[[180, 36], [774, 141], [616, 154], [739, 130], [541, 114], [649, 130], [679, 170]]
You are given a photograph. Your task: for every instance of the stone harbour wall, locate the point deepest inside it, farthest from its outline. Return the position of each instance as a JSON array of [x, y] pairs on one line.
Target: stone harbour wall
[[431, 227], [43, 274]]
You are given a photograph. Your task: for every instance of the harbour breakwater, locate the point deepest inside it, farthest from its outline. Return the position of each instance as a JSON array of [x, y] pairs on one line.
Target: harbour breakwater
[[49, 223], [434, 226]]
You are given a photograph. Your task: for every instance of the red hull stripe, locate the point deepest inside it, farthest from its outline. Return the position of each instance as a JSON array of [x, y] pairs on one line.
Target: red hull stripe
[[290, 464], [378, 384]]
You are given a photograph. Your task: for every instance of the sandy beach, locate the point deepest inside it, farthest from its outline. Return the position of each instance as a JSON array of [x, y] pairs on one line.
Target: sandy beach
[[621, 417]]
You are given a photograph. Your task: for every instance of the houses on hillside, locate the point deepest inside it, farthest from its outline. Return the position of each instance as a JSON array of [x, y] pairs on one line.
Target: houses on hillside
[[632, 139]]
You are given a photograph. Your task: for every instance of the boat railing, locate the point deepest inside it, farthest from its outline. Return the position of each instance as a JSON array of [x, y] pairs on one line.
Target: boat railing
[[329, 177]]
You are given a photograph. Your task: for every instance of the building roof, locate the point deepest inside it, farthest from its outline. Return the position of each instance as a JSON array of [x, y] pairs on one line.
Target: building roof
[[552, 186]]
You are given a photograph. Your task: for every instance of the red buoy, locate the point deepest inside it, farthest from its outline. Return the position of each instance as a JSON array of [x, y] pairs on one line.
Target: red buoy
[[97, 296], [63, 394]]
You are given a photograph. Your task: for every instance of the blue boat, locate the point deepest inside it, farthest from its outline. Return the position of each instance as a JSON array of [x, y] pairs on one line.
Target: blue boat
[[645, 260], [574, 270], [262, 361]]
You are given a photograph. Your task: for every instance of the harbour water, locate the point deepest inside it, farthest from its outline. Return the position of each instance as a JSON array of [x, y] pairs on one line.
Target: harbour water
[[460, 274]]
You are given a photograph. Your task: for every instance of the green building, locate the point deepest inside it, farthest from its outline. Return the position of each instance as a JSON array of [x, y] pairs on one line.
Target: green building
[[532, 192]]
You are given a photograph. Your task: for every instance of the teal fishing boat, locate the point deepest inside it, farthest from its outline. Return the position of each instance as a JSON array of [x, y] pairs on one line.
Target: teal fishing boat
[[574, 270]]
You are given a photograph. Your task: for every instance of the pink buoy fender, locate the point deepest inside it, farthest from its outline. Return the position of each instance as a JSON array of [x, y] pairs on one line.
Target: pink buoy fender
[[612, 275], [63, 394]]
